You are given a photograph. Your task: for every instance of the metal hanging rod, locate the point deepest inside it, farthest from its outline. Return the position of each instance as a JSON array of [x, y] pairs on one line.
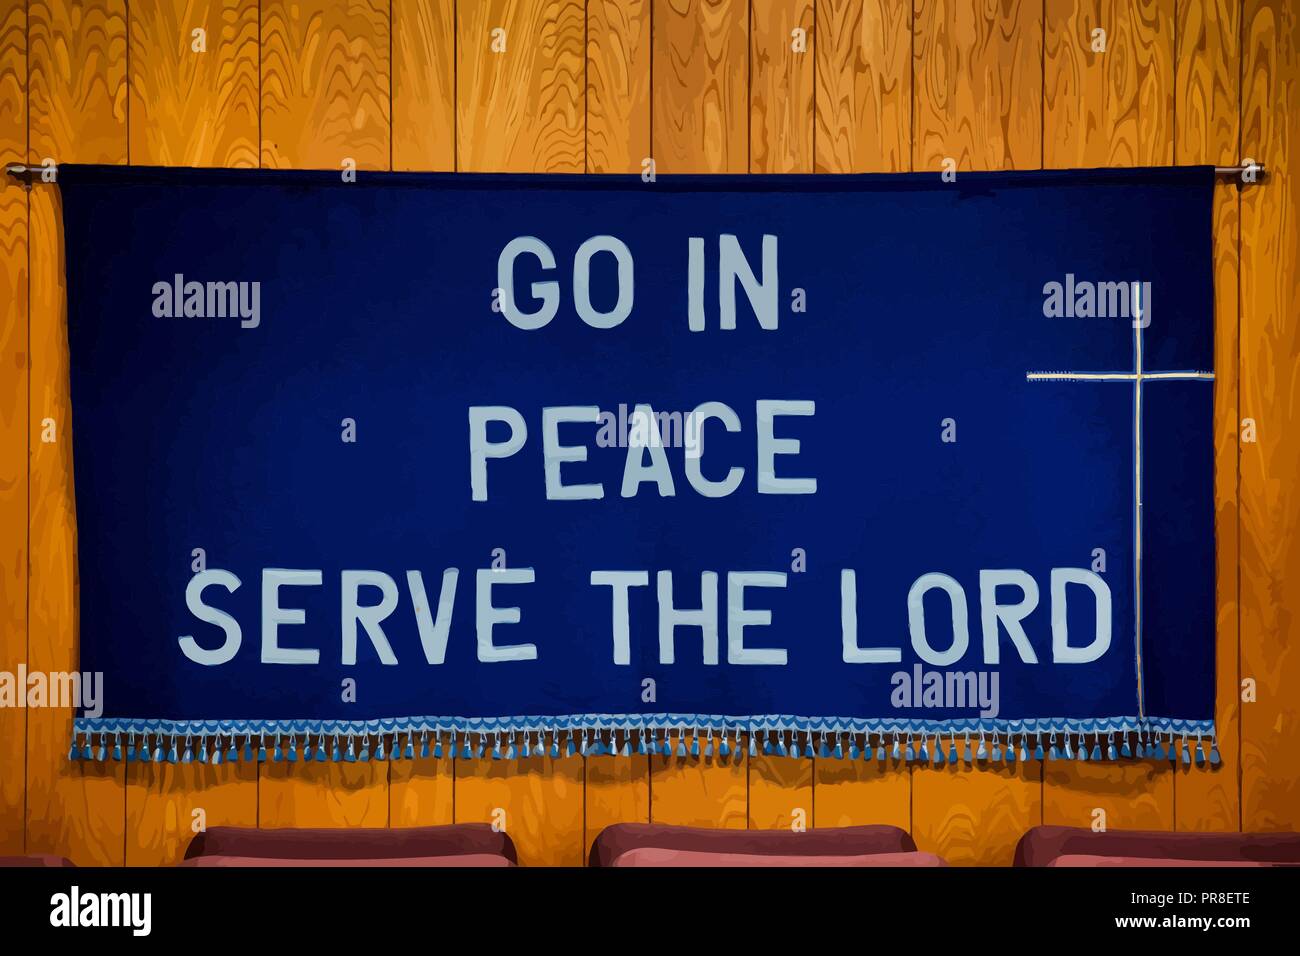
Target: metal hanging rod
[[31, 174]]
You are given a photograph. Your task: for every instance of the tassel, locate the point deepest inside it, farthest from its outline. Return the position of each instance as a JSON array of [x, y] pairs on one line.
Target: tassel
[[1198, 752], [1215, 759], [73, 751], [1024, 750], [925, 750], [467, 750], [379, 747], [724, 746], [1110, 748], [838, 752], [248, 748], [232, 755], [1126, 748], [995, 754], [853, 747], [130, 747], [277, 753], [217, 754], [908, 754], [188, 755], [640, 743], [293, 748], [1096, 750], [695, 744], [1187, 757], [117, 746], [408, 752], [336, 751], [897, 752], [320, 749], [308, 748], [982, 753], [146, 752]]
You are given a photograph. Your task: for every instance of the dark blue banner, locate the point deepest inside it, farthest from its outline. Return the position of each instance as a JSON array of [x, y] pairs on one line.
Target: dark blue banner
[[507, 462]]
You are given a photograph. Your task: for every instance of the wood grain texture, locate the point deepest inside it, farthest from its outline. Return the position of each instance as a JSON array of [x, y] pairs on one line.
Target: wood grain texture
[[77, 84], [780, 792], [77, 110], [536, 800], [974, 817], [75, 808], [1134, 795], [618, 85], [1270, 394], [864, 86], [521, 109], [978, 84], [325, 84], [615, 790], [699, 791], [977, 101], [167, 804], [422, 791], [325, 100], [328, 794], [781, 86], [1206, 107], [1114, 108], [13, 418], [192, 108], [701, 86], [848, 793], [863, 124], [424, 84]]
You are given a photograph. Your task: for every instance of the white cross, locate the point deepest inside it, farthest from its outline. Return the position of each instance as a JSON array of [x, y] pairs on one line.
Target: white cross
[[1137, 377]]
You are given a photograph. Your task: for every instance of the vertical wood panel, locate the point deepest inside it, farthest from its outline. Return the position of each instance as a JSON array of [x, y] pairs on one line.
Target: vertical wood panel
[[618, 85], [1114, 108], [424, 83], [325, 83], [616, 789], [1134, 794], [781, 87], [701, 86], [328, 794], [978, 86], [864, 114], [537, 800], [1206, 105], [701, 119], [699, 791], [780, 789], [13, 418], [520, 110], [191, 108], [864, 86], [325, 98], [1270, 394], [77, 103], [422, 791]]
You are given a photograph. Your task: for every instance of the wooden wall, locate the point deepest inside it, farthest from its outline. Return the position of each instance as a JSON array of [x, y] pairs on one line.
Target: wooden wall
[[701, 86]]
